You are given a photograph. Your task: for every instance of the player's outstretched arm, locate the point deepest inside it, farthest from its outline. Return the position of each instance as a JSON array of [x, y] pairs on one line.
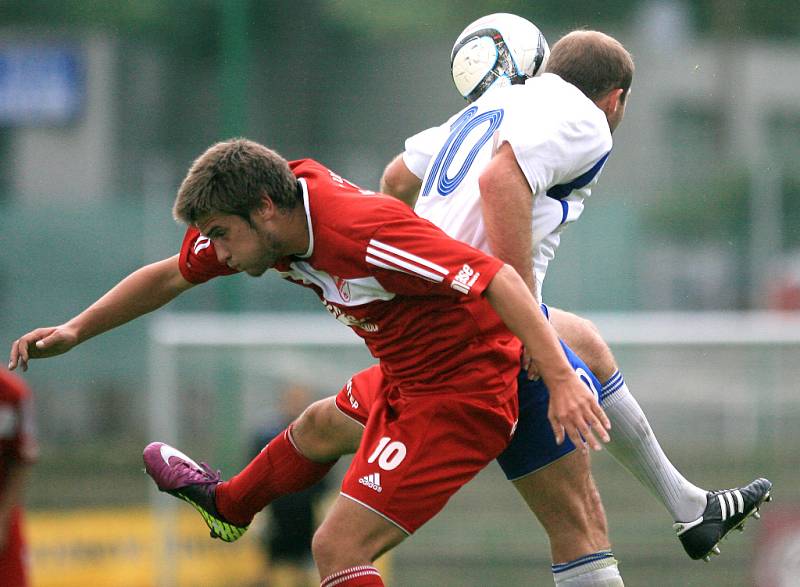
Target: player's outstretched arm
[[572, 410], [507, 207], [143, 291], [399, 181]]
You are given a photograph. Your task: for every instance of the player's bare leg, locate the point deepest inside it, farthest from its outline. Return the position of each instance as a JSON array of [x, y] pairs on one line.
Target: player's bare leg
[[573, 519], [700, 520], [322, 433], [348, 541]]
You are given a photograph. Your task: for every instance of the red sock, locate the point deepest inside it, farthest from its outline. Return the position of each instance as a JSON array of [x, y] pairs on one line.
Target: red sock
[[360, 576], [278, 470]]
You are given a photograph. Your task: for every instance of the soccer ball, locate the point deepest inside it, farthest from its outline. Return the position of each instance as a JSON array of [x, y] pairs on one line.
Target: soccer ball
[[497, 50]]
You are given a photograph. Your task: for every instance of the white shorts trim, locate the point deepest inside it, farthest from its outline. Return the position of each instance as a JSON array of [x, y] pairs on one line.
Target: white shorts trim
[[543, 467], [341, 411], [384, 516]]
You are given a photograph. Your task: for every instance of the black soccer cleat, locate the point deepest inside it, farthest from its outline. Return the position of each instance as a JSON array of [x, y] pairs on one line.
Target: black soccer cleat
[[725, 510]]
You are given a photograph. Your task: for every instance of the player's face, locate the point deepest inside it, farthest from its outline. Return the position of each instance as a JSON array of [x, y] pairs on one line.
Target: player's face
[[241, 245]]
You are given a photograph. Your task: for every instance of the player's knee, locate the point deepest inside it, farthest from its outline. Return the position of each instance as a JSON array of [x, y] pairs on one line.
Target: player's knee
[[323, 433], [323, 548], [334, 549], [601, 360], [584, 338]]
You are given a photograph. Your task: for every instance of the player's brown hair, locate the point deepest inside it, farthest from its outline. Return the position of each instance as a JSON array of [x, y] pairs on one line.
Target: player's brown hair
[[593, 62], [232, 177]]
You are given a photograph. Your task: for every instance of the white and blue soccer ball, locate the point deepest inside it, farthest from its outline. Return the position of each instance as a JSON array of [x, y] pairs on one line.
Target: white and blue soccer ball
[[497, 50]]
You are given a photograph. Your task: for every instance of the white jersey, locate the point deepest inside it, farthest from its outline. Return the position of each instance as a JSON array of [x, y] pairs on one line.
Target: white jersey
[[560, 138]]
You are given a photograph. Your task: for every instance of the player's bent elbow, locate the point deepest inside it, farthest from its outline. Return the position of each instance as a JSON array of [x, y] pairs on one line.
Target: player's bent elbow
[[400, 185], [486, 186], [490, 189]]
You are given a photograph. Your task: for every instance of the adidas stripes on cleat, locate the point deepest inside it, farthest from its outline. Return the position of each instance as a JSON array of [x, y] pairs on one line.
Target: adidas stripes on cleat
[[725, 510], [180, 476]]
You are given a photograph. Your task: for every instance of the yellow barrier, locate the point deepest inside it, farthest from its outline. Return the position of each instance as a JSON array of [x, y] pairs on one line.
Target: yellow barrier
[[125, 548], [121, 548]]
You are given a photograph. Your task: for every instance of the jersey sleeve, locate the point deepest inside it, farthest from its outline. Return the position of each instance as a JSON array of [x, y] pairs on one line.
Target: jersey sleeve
[[411, 256], [198, 261], [421, 148], [557, 150]]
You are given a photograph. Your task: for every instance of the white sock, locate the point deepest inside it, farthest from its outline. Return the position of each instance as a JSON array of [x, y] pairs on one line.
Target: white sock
[[593, 570], [634, 445]]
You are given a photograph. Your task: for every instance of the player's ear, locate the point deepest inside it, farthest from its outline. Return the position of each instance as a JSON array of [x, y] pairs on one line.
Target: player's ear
[[267, 207], [610, 102]]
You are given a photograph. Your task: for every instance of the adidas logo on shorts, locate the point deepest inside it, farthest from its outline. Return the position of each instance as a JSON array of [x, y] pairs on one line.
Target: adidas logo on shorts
[[373, 481]]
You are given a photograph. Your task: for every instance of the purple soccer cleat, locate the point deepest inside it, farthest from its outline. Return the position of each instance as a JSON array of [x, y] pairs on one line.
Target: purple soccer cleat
[[180, 476]]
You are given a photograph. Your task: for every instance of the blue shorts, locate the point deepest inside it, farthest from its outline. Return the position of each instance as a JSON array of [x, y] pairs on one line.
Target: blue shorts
[[533, 445]]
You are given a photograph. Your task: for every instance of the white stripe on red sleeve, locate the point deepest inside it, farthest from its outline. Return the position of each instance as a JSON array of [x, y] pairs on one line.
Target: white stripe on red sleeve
[[403, 261]]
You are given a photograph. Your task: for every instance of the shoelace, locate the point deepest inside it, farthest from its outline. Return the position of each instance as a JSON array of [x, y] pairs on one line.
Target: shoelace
[[210, 477]]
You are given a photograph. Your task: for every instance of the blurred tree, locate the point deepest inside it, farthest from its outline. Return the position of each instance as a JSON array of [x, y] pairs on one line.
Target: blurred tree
[[791, 210], [773, 20], [714, 210], [195, 19]]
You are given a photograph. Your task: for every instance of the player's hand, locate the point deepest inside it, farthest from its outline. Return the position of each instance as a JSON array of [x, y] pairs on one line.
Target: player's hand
[[530, 366], [41, 343], [575, 412]]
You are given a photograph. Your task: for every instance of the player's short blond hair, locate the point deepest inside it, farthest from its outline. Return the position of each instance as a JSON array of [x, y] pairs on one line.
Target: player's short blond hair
[[232, 177], [594, 62]]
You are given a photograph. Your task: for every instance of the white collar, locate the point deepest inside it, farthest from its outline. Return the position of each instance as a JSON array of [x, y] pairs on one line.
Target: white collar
[[307, 207]]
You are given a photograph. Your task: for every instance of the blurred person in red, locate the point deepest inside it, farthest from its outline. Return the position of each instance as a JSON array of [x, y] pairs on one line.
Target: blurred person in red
[[783, 289], [18, 450]]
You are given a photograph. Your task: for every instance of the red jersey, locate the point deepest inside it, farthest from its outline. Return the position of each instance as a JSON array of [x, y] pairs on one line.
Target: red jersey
[[17, 442], [410, 291]]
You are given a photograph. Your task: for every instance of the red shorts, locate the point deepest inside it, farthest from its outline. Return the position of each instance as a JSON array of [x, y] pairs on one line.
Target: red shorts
[[419, 449], [13, 563]]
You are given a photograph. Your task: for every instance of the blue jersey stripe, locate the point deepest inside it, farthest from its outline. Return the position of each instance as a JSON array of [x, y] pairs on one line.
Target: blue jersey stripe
[[562, 190]]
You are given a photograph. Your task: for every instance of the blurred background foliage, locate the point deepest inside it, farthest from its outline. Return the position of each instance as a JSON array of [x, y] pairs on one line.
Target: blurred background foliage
[[704, 166], [703, 170], [167, 20]]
